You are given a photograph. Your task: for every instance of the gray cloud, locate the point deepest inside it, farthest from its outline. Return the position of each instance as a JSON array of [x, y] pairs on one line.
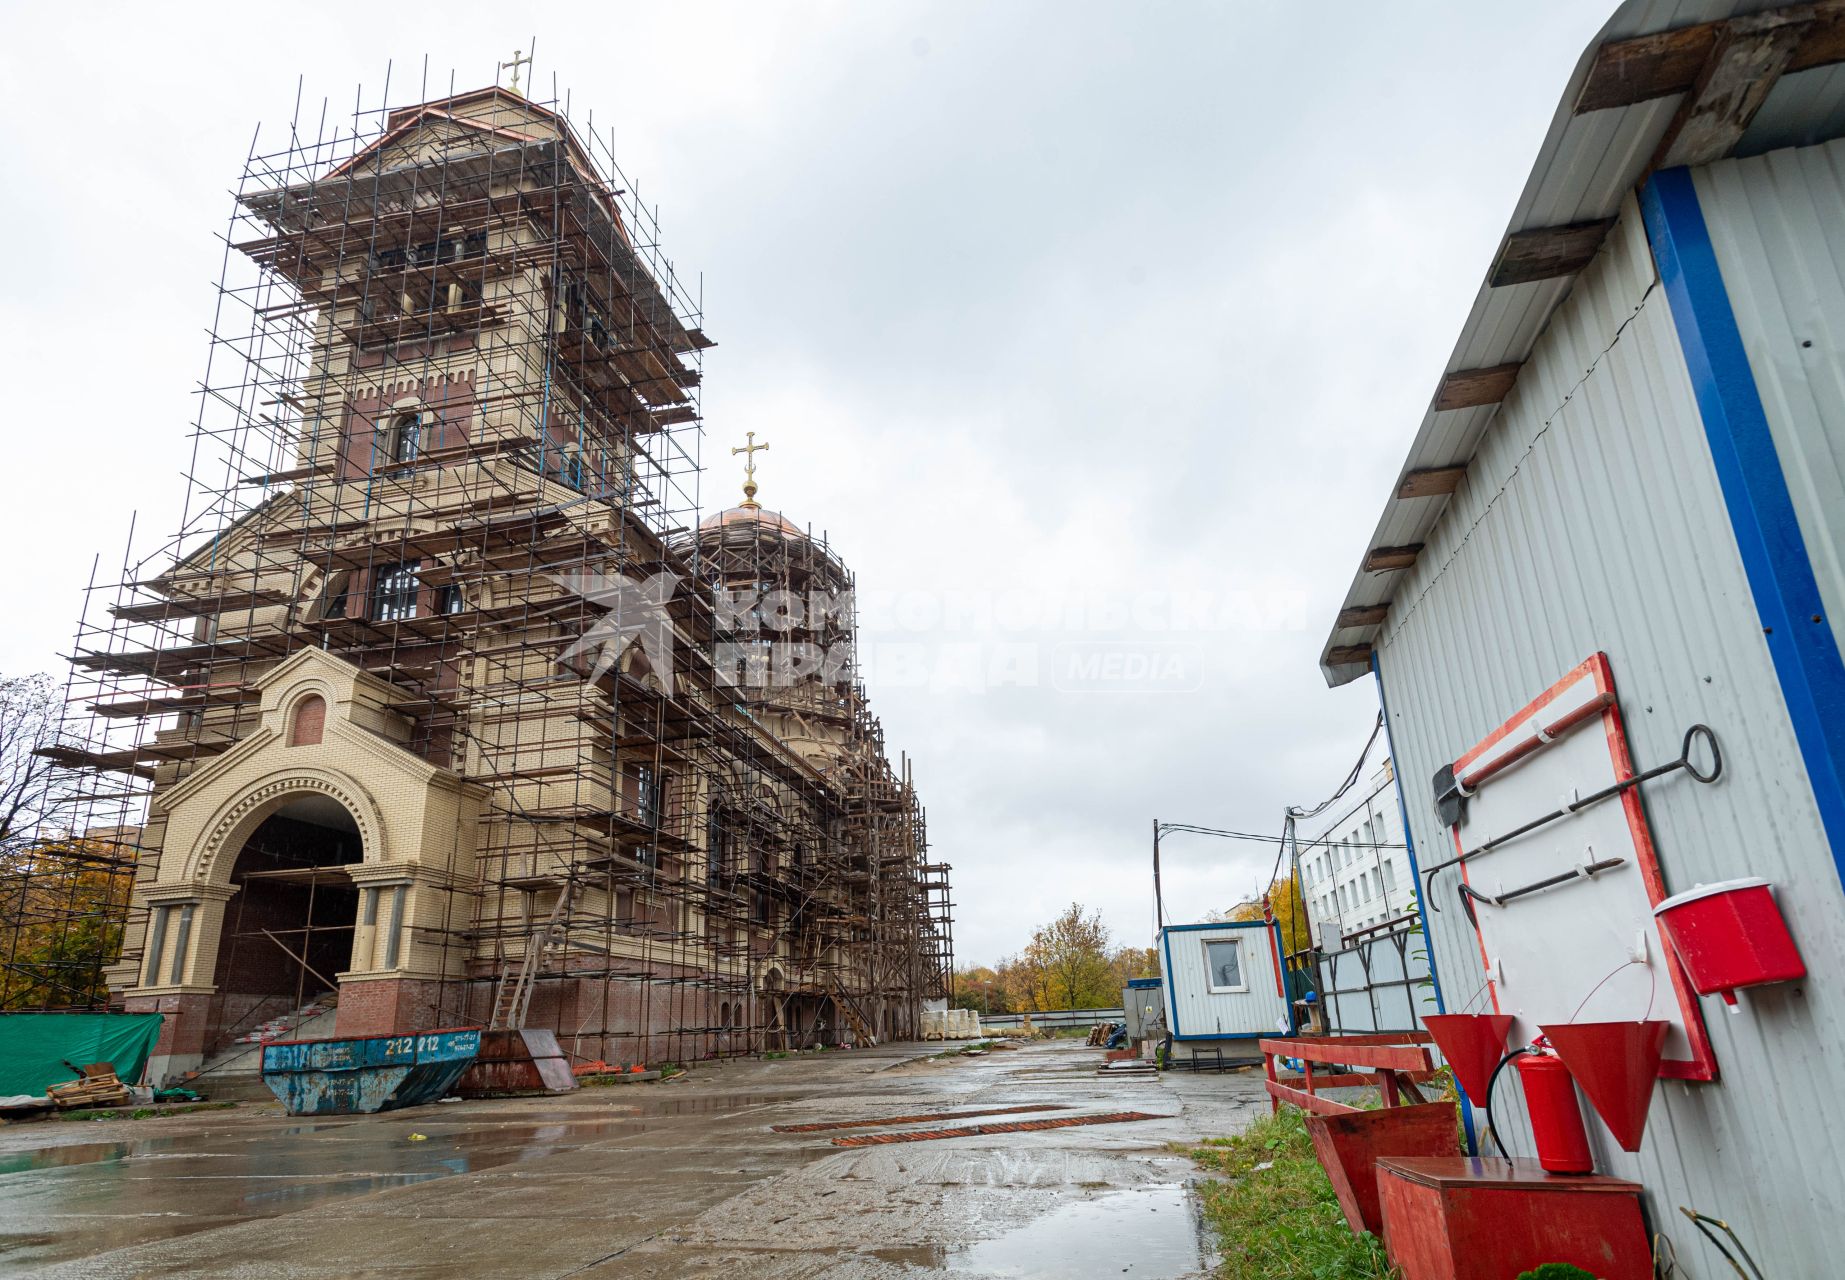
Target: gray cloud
[[1095, 298]]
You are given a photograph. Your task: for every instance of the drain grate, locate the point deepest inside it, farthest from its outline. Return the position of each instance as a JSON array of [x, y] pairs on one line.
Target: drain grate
[[827, 1125], [983, 1130]]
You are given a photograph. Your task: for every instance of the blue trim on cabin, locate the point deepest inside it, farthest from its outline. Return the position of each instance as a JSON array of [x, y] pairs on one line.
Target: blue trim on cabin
[[1415, 878], [1274, 938], [1754, 482], [1222, 924]]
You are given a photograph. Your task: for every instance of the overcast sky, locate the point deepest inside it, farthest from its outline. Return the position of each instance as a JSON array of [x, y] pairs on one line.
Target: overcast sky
[[1120, 313]]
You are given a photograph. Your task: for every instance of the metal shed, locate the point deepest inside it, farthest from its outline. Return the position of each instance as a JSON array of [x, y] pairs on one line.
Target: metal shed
[[1223, 986], [1637, 450]]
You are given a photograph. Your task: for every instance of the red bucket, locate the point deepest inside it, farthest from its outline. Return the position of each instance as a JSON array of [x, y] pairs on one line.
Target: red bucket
[[1473, 1044], [1730, 935], [1616, 1063]]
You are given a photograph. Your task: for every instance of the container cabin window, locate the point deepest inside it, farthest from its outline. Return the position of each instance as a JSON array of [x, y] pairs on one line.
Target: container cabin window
[[1223, 964], [394, 594]]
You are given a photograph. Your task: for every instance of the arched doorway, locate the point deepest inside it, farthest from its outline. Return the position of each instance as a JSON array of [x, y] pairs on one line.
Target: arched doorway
[[288, 931]]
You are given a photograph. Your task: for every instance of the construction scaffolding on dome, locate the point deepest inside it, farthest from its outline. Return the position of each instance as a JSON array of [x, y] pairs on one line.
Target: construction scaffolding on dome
[[432, 706]]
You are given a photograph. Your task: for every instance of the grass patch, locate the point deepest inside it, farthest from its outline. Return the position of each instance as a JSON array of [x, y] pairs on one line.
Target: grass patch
[[141, 1113], [1280, 1222]]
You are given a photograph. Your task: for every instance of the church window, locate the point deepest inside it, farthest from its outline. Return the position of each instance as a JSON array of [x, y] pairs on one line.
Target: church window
[[648, 793], [406, 437], [450, 600], [333, 598], [394, 594]]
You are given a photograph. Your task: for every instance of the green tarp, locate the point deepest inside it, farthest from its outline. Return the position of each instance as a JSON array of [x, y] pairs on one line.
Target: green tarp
[[34, 1047]]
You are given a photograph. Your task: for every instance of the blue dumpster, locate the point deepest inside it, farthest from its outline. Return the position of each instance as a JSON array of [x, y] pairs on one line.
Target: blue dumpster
[[367, 1073]]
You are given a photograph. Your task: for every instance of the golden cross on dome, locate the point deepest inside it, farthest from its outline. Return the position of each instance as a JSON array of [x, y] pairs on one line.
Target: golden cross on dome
[[749, 452], [519, 59]]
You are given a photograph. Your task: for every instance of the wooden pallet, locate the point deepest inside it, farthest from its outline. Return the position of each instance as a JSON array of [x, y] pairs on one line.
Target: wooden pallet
[[96, 1087]]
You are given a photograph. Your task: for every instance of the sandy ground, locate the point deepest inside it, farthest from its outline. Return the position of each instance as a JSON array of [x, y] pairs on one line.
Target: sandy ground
[[680, 1178]]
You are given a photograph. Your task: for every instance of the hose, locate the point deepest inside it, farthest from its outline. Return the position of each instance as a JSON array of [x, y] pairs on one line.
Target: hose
[[1491, 1123]]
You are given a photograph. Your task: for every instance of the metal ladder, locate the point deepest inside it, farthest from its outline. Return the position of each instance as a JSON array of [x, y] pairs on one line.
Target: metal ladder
[[850, 1012], [514, 995]]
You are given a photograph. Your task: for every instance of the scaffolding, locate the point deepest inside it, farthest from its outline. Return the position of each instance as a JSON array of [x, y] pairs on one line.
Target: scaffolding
[[452, 389]]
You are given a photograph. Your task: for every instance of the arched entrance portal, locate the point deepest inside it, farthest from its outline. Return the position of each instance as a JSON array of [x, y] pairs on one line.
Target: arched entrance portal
[[288, 931]]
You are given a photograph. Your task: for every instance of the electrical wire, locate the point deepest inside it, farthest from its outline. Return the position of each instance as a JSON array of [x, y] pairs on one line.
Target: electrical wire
[[1492, 1125], [1351, 779]]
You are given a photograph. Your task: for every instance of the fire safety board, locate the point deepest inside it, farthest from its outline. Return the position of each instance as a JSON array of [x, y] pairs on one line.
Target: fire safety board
[[1564, 914]]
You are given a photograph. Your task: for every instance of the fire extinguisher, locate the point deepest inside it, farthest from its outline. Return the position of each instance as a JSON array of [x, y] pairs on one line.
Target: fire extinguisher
[[1556, 1115]]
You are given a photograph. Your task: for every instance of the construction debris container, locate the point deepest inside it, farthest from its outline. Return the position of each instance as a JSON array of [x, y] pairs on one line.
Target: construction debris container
[[367, 1073]]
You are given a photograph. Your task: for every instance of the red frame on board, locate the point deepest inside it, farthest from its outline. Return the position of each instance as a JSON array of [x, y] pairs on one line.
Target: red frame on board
[[1702, 1065]]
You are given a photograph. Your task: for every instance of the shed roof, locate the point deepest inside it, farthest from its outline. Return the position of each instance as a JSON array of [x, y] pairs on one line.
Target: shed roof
[[1665, 83]]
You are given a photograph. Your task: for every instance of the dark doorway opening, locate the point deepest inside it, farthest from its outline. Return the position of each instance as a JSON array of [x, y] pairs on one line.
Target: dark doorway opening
[[288, 931]]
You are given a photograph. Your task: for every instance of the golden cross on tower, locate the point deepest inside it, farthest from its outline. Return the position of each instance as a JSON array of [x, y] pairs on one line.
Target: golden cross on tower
[[749, 452], [519, 59]]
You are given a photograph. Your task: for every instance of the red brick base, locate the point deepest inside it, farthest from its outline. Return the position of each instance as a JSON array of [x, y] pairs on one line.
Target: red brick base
[[187, 1018], [388, 1006]]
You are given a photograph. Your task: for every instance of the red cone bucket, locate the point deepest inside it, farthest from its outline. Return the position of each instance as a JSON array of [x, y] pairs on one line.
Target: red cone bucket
[[1616, 1064], [1472, 1043]]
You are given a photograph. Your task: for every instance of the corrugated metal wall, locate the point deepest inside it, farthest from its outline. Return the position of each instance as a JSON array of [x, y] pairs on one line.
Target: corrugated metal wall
[[1591, 519], [1778, 225], [1191, 1008]]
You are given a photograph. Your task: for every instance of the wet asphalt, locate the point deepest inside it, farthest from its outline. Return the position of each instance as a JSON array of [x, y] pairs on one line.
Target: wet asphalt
[[682, 1178]]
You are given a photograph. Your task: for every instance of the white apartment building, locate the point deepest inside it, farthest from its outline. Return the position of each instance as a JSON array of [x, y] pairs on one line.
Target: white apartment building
[[1354, 869]]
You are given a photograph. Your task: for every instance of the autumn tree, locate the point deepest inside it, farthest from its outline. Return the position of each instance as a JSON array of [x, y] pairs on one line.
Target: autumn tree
[[63, 899], [1067, 962], [31, 786], [980, 987], [62, 907], [1129, 963], [1289, 906]]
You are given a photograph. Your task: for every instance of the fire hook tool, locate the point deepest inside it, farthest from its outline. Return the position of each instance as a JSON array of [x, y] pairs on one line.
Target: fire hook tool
[[1697, 732]]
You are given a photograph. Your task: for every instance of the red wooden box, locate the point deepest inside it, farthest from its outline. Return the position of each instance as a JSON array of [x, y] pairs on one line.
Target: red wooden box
[[1467, 1218]]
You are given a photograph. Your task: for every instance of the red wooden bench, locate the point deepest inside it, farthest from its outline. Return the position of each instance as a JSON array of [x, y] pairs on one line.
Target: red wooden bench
[[1349, 1139]]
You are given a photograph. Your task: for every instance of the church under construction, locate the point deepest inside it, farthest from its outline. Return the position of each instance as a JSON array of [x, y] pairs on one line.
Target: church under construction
[[449, 705]]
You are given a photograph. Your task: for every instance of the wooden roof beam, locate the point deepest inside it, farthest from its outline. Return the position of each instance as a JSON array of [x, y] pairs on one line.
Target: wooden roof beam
[[1544, 253], [1468, 388], [1347, 655], [1431, 482], [1749, 56], [1362, 615], [1667, 62], [1383, 559]]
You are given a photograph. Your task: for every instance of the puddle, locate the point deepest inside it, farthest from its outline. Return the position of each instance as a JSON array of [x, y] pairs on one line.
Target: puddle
[[62, 1157], [707, 1106], [140, 1189], [1149, 1232]]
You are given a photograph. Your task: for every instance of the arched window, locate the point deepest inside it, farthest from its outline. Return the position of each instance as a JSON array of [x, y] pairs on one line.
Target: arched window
[[406, 437], [310, 721], [724, 1014]]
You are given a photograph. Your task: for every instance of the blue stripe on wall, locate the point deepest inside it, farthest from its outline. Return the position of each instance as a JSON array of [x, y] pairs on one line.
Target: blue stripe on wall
[[1774, 555], [1415, 878]]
